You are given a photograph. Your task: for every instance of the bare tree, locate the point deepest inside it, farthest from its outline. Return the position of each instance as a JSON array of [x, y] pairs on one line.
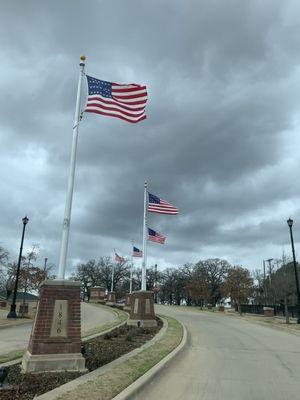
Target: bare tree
[[238, 285]]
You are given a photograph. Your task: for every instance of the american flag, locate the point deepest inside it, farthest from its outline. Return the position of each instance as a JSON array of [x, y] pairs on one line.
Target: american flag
[[119, 259], [161, 206], [115, 100], [137, 252], [156, 237]]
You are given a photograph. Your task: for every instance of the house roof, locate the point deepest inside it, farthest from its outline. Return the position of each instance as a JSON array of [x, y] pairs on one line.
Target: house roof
[[20, 296]]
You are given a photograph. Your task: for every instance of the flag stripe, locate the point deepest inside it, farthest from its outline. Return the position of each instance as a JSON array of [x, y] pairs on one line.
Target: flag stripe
[[130, 85], [129, 91], [133, 120], [129, 96], [121, 106], [130, 99], [136, 113], [159, 211], [122, 89]]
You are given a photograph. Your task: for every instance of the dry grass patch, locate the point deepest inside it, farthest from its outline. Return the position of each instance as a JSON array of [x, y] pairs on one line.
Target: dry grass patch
[[12, 355]]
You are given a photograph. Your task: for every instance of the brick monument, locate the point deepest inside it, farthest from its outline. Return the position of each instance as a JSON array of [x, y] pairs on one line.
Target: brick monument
[[97, 294], [111, 299], [55, 341], [142, 309], [268, 311], [127, 306]]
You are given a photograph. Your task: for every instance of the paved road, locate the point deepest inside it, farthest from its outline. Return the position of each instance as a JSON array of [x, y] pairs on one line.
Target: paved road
[[229, 359], [15, 338]]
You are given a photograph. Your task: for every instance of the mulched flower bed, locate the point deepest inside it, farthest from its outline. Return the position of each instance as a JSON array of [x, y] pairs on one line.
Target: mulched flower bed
[[97, 352]]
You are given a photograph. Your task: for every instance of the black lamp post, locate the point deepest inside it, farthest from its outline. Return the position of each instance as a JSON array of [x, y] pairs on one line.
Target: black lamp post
[[290, 224], [12, 313]]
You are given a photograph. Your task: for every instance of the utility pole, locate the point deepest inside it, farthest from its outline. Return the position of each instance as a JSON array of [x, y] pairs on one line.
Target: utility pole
[[265, 287], [270, 269], [270, 277]]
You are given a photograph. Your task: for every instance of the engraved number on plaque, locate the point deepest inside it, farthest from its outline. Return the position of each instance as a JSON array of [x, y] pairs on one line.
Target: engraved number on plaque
[[60, 319]]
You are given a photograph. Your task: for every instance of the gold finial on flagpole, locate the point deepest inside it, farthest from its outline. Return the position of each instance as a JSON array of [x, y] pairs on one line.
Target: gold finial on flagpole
[[82, 57], [145, 184]]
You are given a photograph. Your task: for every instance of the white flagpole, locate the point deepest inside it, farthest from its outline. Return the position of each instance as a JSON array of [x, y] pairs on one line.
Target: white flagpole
[[68, 206], [112, 274], [112, 278], [131, 268], [144, 265], [130, 286]]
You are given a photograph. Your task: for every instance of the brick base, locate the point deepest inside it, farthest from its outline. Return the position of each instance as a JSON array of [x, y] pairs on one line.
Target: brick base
[[56, 332], [53, 362], [142, 309]]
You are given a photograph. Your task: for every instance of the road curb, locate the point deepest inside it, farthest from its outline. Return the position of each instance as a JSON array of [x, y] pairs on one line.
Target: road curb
[[139, 384]]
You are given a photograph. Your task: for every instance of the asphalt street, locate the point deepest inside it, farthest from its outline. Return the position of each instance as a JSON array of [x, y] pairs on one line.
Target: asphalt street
[[230, 359], [16, 338]]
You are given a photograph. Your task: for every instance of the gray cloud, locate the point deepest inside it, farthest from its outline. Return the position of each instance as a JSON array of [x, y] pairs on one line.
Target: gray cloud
[[220, 139]]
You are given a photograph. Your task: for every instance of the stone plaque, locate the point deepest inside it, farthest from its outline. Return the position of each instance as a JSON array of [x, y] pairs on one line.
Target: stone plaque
[[136, 306], [147, 310], [60, 319]]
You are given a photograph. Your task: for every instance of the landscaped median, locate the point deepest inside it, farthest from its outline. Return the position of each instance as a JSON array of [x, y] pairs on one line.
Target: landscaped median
[[108, 381]]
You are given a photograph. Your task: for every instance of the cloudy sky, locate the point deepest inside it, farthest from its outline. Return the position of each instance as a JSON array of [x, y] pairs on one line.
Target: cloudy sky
[[221, 140]]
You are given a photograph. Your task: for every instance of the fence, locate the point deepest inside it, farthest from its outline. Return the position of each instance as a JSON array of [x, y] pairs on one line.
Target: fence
[[259, 309]]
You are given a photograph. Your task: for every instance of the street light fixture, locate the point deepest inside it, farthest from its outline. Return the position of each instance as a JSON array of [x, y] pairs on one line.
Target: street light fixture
[[290, 224], [12, 313]]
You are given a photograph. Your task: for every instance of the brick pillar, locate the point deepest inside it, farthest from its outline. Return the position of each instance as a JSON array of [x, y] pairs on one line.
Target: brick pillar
[[268, 311], [111, 299], [127, 306], [142, 309], [94, 293], [55, 341], [97, 294]]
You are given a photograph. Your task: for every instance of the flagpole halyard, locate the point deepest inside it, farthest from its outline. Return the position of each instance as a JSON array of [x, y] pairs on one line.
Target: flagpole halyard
[[69, 197], [144, 265]]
